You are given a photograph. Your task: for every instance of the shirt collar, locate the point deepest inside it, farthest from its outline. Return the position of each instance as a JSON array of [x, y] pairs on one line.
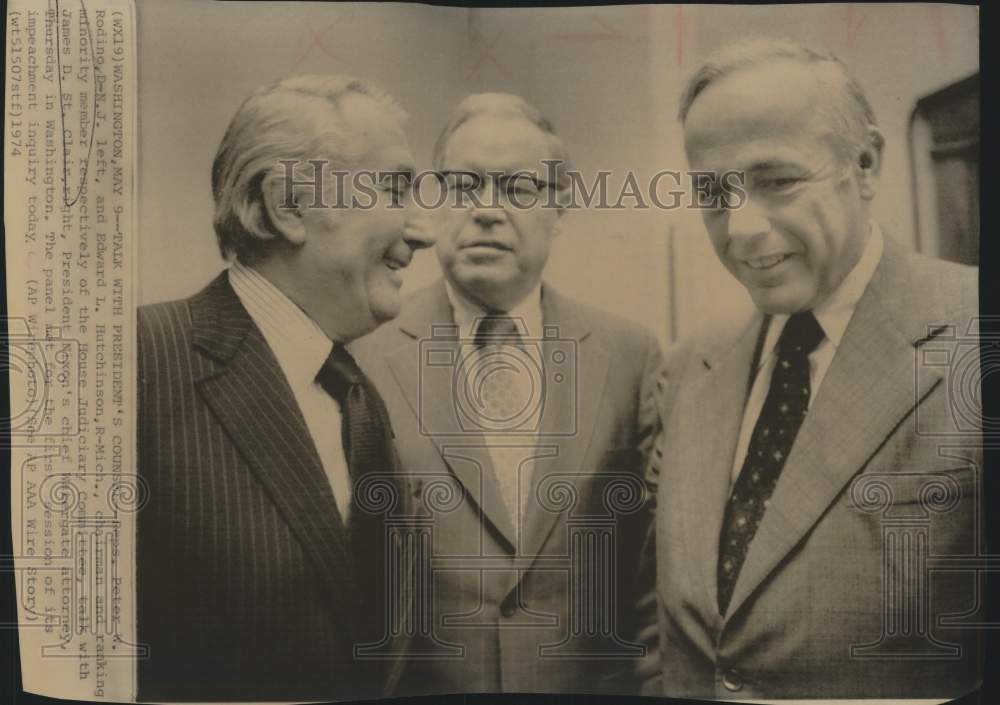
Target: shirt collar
[[298, 343], [834, 312], [467, 312]]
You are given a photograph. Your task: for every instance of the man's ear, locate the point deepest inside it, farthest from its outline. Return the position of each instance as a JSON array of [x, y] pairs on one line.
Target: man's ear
[[286, 214], [869, 164]]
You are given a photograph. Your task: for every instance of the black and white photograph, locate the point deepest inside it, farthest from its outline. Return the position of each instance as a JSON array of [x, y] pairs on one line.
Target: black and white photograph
[[365, 351]]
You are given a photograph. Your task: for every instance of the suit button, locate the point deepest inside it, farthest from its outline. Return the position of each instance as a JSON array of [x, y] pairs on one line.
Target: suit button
[[732, 680]]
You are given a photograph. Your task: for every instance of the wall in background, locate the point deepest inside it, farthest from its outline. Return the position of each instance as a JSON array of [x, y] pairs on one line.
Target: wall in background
[[899, 53], [199, 60], [608, 77]]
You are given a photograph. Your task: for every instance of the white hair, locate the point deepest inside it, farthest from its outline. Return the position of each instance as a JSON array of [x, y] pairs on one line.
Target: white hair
[[852, 114], [295, 118]]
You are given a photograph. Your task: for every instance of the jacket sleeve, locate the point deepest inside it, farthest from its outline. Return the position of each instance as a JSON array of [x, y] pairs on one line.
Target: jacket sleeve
[[662, 389]]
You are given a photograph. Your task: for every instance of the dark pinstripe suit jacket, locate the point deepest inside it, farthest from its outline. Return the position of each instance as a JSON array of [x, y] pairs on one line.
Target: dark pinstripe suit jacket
[[245, 585]]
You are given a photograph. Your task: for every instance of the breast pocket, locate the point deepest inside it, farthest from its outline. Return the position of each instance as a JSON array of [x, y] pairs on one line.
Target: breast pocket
[[900, 495]]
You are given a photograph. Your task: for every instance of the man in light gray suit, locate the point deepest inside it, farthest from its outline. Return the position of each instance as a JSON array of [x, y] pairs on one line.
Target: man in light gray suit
[[816, 461], [532, 414]]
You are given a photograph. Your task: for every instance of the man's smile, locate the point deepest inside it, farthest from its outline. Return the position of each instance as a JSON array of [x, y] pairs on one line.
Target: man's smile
[[766, 262]]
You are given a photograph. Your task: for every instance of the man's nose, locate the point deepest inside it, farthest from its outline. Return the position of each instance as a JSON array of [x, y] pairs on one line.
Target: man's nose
[[486, 208], [747, 222], [487, 217]]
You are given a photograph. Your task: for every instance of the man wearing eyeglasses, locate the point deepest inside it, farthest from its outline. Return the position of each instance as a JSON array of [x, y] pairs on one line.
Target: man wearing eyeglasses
[[527, 416]]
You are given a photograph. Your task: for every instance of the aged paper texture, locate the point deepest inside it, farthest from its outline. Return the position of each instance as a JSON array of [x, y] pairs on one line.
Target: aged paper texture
[[69, 203], [361, 350]]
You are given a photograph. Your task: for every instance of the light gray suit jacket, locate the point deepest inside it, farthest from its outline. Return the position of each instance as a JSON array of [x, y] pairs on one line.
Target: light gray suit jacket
[[506, 619], [857, 583]]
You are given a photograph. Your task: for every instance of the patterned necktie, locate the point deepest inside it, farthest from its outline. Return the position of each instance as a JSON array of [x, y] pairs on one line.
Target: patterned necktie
[[770, 443], [367, 438], [497, 329], [503, 395]]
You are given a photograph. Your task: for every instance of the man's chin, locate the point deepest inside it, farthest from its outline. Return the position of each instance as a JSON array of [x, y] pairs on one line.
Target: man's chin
[[485, 278], [779, 300], [379, 312], [384, 311]]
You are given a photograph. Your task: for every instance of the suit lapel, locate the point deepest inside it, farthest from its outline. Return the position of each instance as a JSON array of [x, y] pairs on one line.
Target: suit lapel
[[706, 425], [250, 397], [568, 420], [870, 387], [425, 369]]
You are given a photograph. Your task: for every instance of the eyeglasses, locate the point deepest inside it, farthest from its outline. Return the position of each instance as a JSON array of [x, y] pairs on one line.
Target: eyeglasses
[[521, 188]]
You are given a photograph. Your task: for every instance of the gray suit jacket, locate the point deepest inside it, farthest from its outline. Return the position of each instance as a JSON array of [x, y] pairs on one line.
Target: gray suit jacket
[[245, 584], [835, 598], [507, 617]]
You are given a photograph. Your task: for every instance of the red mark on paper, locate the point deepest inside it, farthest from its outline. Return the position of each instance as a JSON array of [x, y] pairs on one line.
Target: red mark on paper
[[603, 32], [854, 24], [937, 27], [316, 43], [486, 54], [679, 33]]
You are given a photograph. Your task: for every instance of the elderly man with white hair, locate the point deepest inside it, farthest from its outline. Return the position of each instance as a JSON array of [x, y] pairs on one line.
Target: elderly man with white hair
[[533, 414], [258, 567]]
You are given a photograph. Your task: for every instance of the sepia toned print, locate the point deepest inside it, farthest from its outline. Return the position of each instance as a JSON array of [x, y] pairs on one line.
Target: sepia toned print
[[624, 350]]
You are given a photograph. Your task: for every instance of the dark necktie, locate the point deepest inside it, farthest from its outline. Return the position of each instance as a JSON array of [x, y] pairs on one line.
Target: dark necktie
[[367, 439], [497, 329], [770, 443], [502, 400]]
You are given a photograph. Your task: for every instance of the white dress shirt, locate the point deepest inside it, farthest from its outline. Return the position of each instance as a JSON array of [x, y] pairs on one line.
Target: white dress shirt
[[509, 451], [301, 348], [527, 316], [833, 315]]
